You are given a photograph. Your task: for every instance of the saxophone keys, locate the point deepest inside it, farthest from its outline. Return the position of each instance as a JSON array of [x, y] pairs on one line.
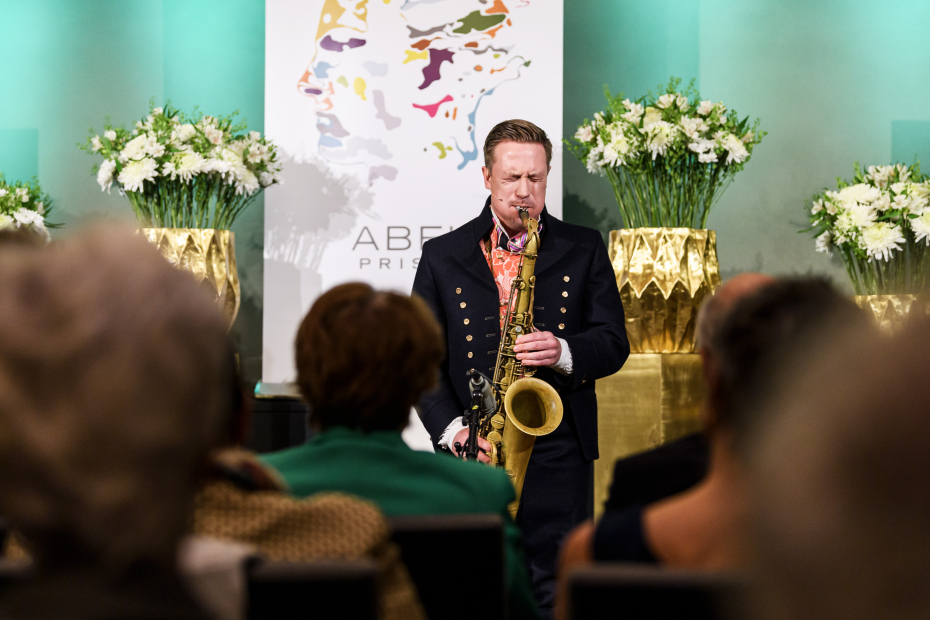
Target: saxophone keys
[[494, 437], [497, 421]]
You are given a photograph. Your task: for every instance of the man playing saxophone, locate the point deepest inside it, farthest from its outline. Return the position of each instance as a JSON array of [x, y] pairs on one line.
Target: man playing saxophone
[[465, 277]]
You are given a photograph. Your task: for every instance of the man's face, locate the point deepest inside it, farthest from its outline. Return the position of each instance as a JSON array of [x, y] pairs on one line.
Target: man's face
[[518, 179]]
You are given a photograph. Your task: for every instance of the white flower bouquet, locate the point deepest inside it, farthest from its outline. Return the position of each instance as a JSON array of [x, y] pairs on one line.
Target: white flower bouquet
[[668, 157], [182, 171], [880, 224], [24, 207]]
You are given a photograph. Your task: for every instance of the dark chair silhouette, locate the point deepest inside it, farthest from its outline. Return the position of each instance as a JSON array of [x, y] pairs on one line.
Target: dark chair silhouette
[[641, 592], [15, 571], [448, 554], [321, 589]]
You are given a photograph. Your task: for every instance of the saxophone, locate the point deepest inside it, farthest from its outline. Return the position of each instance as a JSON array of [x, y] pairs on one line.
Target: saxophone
[[526, 407]]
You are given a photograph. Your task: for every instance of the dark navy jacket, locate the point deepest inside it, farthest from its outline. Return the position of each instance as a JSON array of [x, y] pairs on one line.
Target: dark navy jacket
[[576, 299]]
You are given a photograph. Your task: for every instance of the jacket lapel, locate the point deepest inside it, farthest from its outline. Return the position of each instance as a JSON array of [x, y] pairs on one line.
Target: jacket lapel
[[472, 258], [553, 245]]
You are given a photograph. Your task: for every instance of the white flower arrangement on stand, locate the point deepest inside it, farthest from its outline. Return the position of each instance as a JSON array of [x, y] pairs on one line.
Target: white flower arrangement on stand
[[23, 207], [668, 158], [182, 171], [880, 224]]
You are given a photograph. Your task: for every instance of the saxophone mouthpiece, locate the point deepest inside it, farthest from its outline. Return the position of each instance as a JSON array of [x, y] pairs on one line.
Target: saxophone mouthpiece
[[524, 214]]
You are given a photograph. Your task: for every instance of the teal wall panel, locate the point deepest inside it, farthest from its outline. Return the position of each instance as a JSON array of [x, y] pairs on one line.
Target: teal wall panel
[[19, 154], [827, 78], [68, 64], [911, 140]]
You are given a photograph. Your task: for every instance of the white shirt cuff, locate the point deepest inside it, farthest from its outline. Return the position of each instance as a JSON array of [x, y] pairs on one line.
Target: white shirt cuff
[[564, 365], [448, 435]]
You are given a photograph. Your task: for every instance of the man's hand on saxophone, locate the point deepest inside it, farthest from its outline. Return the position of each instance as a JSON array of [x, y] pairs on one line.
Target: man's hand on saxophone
[[484, 446], [538, 349]]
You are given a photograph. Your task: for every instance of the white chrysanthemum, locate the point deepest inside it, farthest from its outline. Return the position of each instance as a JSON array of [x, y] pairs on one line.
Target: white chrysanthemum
[[862, 216], [184, 133], [843, 227], [861, 193], [266, 179], [666, 101], [708, 157], [105, 175], [96, 144], [213, 164], [682, 102], [584, 134], [136, 173], [705, 108], [824, 243], [7, 222], [881, 239], [26, 217], [188, 165], [736, 150], [660, 136], [692, 126], [109, 135], [921, 227], [652, 116], [134, 149], [247, 183]]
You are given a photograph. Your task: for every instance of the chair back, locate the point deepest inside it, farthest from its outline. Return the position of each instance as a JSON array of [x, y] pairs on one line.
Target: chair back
[[15, 571], [319, 589], [641, 592], [456, 563]]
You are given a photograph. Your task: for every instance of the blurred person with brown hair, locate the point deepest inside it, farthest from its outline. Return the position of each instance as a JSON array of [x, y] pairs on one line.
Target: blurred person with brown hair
[[706, 527], [647, 477], [111, 363], [245, 501], [840, 485], [364, 357]]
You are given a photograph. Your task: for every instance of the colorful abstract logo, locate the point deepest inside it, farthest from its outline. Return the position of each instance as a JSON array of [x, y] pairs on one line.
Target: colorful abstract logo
[[374, 61]]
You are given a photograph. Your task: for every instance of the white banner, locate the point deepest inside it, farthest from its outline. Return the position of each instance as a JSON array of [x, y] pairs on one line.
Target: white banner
[[381, 108]]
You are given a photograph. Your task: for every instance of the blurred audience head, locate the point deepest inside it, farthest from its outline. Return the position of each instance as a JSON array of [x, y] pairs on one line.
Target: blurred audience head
[[715, 307], [761, 330], [840, 474], [111, 367], [21, 237], [364, 357]]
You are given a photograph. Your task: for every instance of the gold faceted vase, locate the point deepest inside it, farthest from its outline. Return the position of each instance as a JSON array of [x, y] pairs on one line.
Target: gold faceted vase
[[663, 275], [891, 312], [208, 254]]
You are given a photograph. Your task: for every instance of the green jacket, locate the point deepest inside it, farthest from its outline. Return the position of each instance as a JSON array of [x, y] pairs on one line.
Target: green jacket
[[380, 467]]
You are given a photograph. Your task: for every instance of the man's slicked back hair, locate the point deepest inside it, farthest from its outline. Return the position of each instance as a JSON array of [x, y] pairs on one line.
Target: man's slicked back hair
[[515, 130]]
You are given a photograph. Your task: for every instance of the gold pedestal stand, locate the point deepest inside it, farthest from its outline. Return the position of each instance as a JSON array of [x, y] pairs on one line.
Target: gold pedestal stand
[[655, 398]]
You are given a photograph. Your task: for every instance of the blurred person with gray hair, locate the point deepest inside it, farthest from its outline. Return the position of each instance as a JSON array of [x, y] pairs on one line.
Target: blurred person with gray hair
[[111, 395], [842, 499]]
